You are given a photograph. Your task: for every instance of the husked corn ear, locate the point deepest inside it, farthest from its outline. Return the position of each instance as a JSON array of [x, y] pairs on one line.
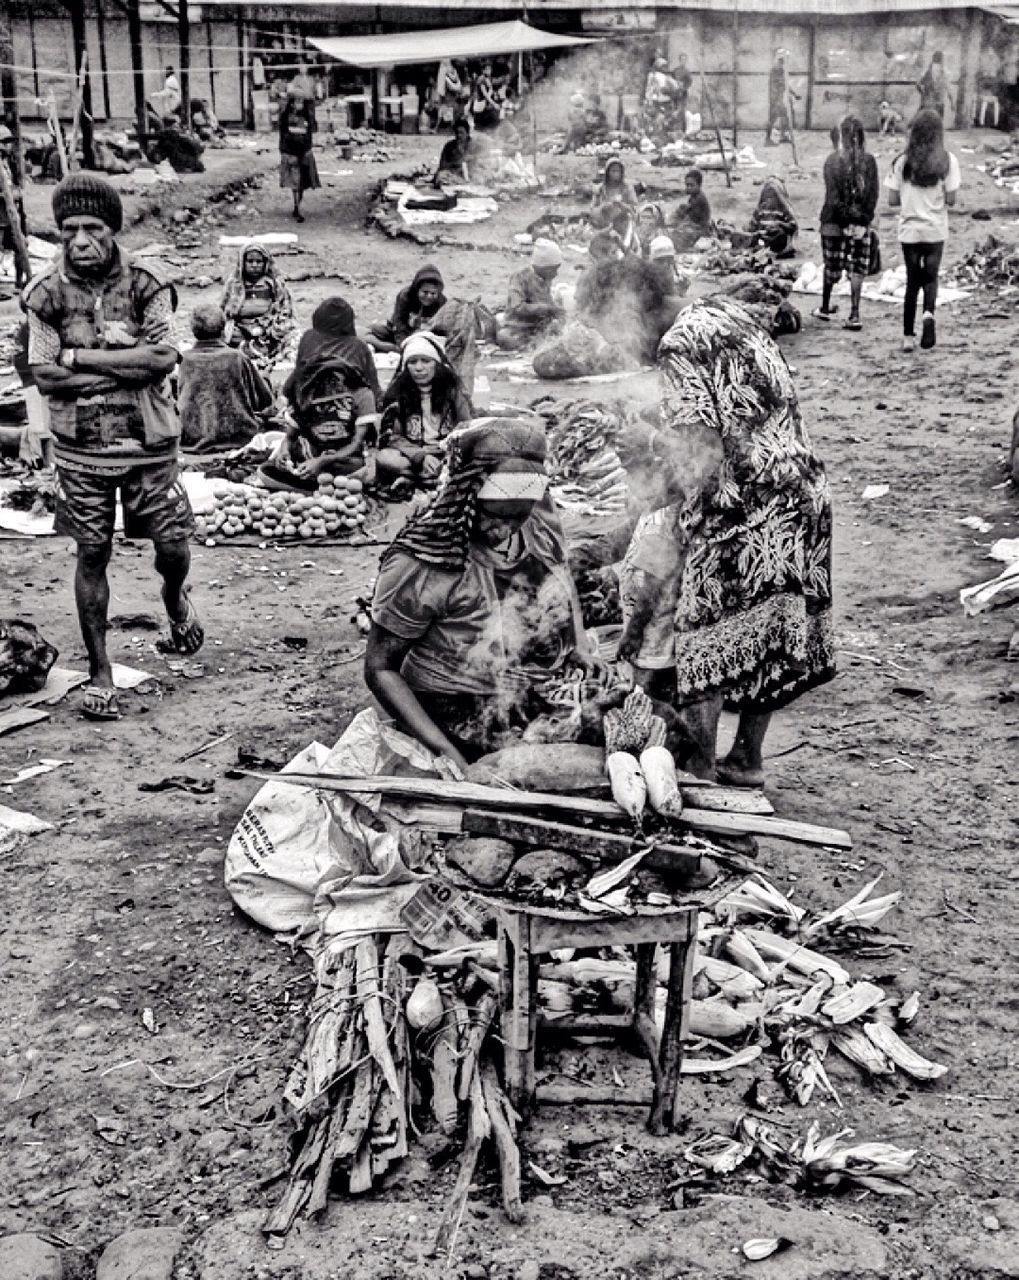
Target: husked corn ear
[[715, 1018], [628, 787], [861, 1051], [910, 1007], [853, 1003], [798, 957], [659, 770], [906, 1059], [735, 982], [742, 951]]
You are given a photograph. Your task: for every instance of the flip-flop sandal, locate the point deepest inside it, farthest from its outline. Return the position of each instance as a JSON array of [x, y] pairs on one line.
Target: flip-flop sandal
[[187, 637], [818, 314], [100, 704], [852, 324]]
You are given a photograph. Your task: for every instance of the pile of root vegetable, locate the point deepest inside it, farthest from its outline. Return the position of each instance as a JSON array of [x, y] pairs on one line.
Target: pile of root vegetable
[[587, 474], [338, 509], [992, 265]]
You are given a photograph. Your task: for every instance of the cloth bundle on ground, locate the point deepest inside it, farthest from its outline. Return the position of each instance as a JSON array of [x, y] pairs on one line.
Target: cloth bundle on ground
[[25, 657], [577, 352]]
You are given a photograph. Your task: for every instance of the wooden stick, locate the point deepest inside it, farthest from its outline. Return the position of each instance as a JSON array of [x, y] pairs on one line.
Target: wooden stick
[[58, 134], [471, 794], [375, 1027], [479, 1128], [706, 97], [79, 101], [484, 1012], [504, 1132], [21, 258], [445, 1055]]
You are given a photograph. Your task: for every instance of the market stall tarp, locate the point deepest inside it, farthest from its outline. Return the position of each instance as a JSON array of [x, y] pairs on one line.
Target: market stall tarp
[[399, 48]]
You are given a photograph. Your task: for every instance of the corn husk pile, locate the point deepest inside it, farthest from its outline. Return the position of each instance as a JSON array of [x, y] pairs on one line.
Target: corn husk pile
[[810, 1163]]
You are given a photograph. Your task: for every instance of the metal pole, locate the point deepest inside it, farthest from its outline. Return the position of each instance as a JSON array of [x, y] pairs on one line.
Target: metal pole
[[134, 34], [79, 37], [184, 46]]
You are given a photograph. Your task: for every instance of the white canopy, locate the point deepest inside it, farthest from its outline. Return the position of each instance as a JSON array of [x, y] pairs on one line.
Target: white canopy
[[400, 48]]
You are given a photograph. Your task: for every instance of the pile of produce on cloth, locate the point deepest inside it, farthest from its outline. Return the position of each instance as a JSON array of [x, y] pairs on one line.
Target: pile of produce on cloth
[[34, 492], [993, 264], [614, 143], [578, 351], [404, 1032], [337, 509]]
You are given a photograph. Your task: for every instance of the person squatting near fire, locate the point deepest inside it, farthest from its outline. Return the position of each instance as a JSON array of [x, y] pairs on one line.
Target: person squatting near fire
[[414, 308], [475, 607], [258, 308], [738, 554], [423, 404], [531, 309], [223, 399], [102, 344], [851, 190], [333, 393]]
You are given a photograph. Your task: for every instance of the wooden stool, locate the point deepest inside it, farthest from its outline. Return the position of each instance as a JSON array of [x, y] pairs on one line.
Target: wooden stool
[[524, 935]]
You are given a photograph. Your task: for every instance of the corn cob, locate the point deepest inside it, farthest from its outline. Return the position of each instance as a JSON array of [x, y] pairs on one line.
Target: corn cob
[[628, 787], [853, 1003], [717, 1019], [889, 1042], [757, 897], [659, 770], [861, 1051], [797, 956], [743, 952], [735, 983]]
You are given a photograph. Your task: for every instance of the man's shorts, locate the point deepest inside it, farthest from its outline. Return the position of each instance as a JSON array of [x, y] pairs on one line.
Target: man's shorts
[[154, 502]]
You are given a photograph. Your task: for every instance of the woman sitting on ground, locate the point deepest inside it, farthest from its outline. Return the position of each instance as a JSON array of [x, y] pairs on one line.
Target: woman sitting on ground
[[456, 156], [475, 608], [333, 395], [414, 308], [258, 308], [773, 224], [422, 405], [649, 225], [614, 188]]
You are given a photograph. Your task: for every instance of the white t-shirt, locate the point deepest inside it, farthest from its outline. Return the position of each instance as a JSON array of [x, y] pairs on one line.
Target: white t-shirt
[[923, 213]]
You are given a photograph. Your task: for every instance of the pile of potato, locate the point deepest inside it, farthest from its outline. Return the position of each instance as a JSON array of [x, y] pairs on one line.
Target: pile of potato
[[338, 509]]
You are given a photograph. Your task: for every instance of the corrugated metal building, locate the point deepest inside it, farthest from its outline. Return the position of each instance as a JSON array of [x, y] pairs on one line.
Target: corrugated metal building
[[842, 53]]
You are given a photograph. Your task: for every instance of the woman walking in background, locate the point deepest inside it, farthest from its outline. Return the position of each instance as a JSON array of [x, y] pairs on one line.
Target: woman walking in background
[[298, 169], [922, 185], [851, 190]]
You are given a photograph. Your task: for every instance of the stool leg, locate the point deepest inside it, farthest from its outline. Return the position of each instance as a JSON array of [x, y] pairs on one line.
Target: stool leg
[[645, 1030], [677, 1017], [518, 992]]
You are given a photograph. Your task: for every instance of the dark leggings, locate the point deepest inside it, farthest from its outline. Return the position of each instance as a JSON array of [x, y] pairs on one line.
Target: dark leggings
[[923, 262]]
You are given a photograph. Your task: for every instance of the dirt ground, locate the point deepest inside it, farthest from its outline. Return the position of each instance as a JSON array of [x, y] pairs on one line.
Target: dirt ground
[[110, 1124]]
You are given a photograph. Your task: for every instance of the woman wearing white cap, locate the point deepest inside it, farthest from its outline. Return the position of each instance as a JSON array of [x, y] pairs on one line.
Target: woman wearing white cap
[[474, 607], [530, 307], [424, 402]]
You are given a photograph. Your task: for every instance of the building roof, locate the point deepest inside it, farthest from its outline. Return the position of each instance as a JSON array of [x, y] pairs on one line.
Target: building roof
[[389, 9]]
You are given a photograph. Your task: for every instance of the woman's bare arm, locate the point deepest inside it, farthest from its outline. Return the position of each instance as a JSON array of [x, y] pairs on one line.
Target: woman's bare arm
[[383, 659]]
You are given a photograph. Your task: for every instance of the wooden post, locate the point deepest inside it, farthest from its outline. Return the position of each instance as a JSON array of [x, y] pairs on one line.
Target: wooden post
[[808, 110], [735, 77], [184, 45], [134, 34], [9, 91], [718, 133], [23, 267], [212, 64], [58, 133], [104, 70], [78, 34], [77, 113]]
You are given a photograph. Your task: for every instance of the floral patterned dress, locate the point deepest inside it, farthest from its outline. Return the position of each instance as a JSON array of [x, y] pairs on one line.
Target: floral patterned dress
[[753, 618]]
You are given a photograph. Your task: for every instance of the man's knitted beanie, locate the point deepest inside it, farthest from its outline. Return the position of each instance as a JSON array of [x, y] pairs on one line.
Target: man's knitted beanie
[[83, 194]]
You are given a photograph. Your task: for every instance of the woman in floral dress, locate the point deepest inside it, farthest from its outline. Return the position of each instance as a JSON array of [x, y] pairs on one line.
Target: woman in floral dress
[[753, 617]]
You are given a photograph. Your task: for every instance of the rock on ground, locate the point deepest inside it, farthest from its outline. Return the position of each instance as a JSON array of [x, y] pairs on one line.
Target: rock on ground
[[368, 1238], [25, 1257], [145, 1254]]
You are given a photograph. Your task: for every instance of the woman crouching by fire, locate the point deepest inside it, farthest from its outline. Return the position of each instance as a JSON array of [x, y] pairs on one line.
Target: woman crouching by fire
[[475, 608]]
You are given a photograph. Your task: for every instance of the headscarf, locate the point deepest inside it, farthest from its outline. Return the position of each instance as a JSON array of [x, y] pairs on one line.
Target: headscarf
[[429, 274], [441, 534], [546, 253], [235, 290], [774, 198], [661, 247], [615, 163], [424, 344], [330, 340]]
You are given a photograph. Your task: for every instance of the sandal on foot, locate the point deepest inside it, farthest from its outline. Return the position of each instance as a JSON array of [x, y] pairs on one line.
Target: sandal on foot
[[820, 314], [734, 775], [99, 703], [854, 324], [187, 636]]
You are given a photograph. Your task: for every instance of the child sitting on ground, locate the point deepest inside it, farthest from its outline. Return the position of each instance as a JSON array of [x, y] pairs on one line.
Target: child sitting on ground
[[692, 218]]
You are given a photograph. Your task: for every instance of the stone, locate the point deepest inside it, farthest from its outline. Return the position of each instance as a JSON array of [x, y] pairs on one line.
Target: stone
[[528, 1271], [144, 1254], [25, 1257], [486, 861]]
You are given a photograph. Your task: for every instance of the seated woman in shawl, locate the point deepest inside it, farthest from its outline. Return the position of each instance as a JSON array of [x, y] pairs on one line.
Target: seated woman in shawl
[[475, 608], [649, 226], [422, 405], [614, 188], [258, 308], [773, 224], [333, 394], [222, 398], [456, 156], [415, 306]]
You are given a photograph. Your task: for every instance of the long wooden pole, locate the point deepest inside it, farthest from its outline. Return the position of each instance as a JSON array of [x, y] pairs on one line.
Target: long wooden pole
[[77, 113], [104, 70], [84, 91], [134, 34], [735, 75], [706, 96], [22, 263], [184, 44], [9, 90]]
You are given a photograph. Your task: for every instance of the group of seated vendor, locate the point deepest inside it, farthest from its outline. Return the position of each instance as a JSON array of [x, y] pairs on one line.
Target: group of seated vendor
[[615, 205]]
